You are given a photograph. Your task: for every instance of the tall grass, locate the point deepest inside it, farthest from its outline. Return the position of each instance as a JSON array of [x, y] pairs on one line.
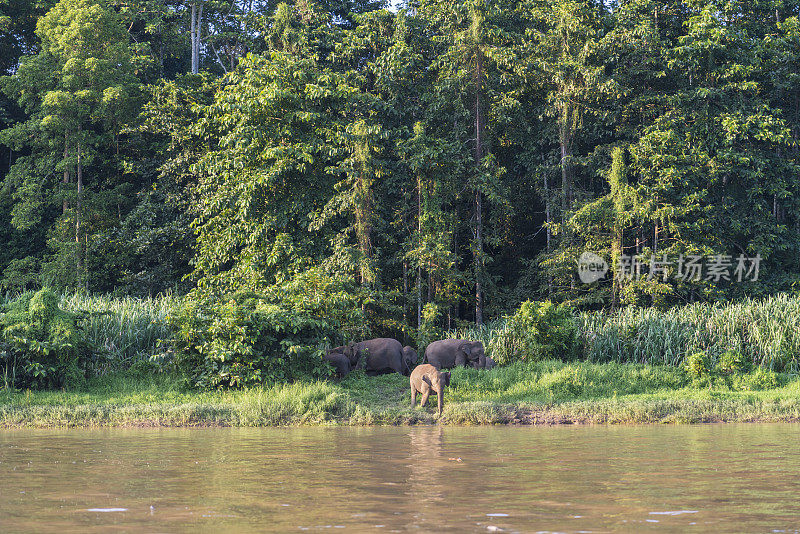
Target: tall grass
[[767, 332], [487, 334], [126, 329]]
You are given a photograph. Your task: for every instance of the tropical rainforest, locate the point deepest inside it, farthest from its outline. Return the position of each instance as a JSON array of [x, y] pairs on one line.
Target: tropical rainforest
[[386, 168]]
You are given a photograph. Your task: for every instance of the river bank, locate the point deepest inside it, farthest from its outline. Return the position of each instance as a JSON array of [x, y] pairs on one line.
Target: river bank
[[534, 393]]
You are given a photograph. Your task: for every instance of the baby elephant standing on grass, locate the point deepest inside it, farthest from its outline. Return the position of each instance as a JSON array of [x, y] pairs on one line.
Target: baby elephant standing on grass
[[426, 378]]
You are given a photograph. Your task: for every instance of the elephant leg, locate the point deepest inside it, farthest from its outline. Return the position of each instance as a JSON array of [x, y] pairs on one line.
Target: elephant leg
[[461, 360], [426, 391]]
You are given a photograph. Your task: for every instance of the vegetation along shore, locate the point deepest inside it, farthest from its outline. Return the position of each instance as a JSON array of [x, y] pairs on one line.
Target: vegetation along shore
[[698, 363], [199, 200]]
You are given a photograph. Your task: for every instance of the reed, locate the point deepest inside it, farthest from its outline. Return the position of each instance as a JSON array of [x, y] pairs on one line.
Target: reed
[[765, 331], [126, 329]]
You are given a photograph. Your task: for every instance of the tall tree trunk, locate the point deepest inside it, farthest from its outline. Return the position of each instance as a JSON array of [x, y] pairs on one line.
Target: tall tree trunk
[[197, 17], [405, 292], [197, 38], [192, 32], [547, 210], [419, 238], [430, 283], [655, 238], [565, 141], [364, 226], [78, 217], [457, 304], [617, 182], [547, 218], [65, 205], [478, 194]]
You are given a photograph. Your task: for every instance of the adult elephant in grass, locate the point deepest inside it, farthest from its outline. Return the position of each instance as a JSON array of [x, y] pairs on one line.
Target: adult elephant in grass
[[378, 356], [449, 353]]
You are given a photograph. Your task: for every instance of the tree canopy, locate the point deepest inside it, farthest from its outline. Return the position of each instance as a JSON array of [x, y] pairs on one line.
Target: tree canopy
[[441, 158]]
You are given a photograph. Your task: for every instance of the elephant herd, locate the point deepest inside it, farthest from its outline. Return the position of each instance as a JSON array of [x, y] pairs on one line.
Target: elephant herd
[[385, 355]]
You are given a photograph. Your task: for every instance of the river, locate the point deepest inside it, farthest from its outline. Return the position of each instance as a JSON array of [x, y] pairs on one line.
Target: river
[[445, 479]]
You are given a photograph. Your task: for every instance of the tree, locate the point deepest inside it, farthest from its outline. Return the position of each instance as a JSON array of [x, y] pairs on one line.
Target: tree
[[477, 52], [77, 91]]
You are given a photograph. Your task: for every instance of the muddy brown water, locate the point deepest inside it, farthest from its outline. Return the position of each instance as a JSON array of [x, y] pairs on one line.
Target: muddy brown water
[[706, 478]]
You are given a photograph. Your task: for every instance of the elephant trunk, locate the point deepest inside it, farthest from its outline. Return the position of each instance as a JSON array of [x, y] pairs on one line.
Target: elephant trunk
[[440, 399]]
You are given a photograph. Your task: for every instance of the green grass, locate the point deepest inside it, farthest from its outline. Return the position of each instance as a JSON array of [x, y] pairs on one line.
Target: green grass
[[547, 392]]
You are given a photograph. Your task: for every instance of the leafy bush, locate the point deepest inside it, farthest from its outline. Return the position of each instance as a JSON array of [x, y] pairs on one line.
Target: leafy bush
[[538, 330], [757, 380], [733, 362], [41, 345], [698, 366], [245, 340], [732, 370]]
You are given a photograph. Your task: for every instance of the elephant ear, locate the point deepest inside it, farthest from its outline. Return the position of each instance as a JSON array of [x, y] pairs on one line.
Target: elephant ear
[[446, 378], [466, 348]]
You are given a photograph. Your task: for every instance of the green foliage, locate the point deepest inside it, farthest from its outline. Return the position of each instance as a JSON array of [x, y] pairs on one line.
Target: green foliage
[[699, 366], [42, 346], [763, 331], [732, 370], [759, 379], [77, 92], [245, 340], [732, 362], [359, 163], [429, 329], [537, 330]]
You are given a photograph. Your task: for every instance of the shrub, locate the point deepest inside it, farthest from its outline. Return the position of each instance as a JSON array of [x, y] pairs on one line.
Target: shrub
[[245, 340], [698, 366], [41, 345], [759, 379], [733, 362], [538, 330]]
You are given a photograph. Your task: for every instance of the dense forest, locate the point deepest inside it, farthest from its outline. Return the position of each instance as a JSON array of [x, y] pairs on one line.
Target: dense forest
[[434, 162]]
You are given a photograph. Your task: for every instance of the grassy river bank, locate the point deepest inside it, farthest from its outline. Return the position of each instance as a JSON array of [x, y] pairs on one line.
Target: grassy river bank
[[549, 392]]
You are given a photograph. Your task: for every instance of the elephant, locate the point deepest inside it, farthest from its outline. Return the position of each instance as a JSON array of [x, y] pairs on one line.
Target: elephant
[[377, 356], [410, 357], [427, 378], [489, 364], [339, 361], [350, 352], [448, 353]]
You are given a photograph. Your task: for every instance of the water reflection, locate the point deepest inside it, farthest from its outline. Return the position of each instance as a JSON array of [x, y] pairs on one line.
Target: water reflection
[[719, 477]]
